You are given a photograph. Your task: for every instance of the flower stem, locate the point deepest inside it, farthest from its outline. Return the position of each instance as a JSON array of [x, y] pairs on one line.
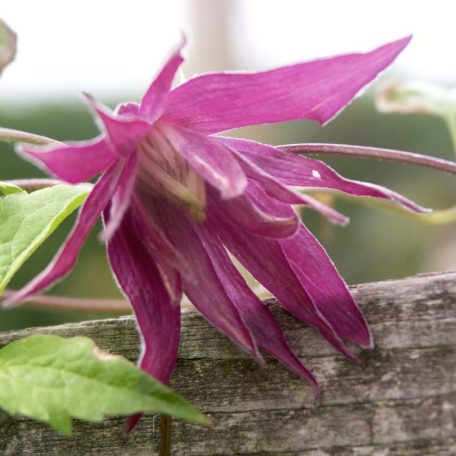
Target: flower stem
[[165, 435], [374, 153], [76, 304], [13, 136], [34, 184]]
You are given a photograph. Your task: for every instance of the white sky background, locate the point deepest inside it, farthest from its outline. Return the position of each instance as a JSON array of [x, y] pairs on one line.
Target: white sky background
[[112, 48]]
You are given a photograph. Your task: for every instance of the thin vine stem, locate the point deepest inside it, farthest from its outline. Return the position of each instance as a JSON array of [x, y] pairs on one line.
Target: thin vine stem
[[18, 136], [76, 304], [35, 184], [373, 153]]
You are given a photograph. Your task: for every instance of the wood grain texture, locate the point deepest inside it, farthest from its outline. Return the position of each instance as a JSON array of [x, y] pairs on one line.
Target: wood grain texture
[[401, 401]]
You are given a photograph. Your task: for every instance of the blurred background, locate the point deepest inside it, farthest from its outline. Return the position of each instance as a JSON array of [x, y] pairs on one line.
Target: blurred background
[[112, 50]]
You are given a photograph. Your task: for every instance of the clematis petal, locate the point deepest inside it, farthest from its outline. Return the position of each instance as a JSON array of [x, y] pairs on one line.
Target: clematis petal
[[311, 265], [296, 170], [67, 256], [158, 320], [155, 239], [121, 198], [127, 108], [153, 102], [209, 158], [73, 162], [315, 90], [281, 192], [170, 263], [123, 132], [256, 315], [157, 317], [245, 211], [205, 291], [265, 260]]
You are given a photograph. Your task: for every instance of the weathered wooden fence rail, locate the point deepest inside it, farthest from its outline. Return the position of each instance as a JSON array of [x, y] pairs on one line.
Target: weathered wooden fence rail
[[401, 401]]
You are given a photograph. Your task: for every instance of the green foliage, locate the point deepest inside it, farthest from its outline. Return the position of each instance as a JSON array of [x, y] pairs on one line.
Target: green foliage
[[417, 97], [6, 188], [7, 45], [26, 221], [53, 379]]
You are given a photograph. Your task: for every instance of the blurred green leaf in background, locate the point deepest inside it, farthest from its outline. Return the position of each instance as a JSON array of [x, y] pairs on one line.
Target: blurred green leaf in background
[[8, 42]]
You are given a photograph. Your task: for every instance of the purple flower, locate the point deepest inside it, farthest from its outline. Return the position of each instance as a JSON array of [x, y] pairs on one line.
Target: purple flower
[[176, 199]]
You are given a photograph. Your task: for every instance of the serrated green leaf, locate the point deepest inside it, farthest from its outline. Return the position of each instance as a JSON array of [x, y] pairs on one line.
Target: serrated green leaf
[[53, 379], [8, 41], [27, 219], [6, 188]]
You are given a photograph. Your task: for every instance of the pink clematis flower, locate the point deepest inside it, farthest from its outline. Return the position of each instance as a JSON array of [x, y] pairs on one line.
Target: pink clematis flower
[[176, 199]]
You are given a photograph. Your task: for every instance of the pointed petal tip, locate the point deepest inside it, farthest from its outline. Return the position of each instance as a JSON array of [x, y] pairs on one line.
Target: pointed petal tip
[[130, 424], [306, 374], [95, 104], [10, 302], [106, 235], [100, 111], [403, 42], [354, 359], [17, 298], [234, 189], [258, 358], [341, 220], [370, 344], [30, 153], [183, 42], [179, 48], [154, 100], [395, 47], [411, 206], [331, 214], [89, 98], [364, 339], [24, 149]]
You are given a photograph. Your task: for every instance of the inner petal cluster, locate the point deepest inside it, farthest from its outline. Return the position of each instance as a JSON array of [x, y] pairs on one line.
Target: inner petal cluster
[[163, 171]]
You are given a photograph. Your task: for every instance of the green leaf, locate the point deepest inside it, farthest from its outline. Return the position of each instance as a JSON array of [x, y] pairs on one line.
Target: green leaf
[[27, 219], [53, 379], [6, 188], [416, 97], [8, 41]]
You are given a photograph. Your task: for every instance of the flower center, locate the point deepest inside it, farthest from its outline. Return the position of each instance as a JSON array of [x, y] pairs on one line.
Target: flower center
[[163, 171]]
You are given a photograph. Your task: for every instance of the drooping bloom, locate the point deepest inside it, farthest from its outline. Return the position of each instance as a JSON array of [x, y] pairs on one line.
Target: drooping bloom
[[176, 198]]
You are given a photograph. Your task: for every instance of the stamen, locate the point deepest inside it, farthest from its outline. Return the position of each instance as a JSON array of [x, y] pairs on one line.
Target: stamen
[[162, 170]]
